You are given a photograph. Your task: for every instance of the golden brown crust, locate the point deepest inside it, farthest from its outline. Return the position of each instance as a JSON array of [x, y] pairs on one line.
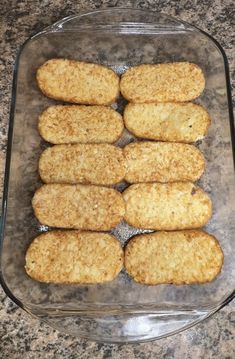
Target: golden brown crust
[[173, 122], [78, 82], [183, 257], [80, 124], [74, 257], [100, 164], [170, 82], [162, 162], [85, 207], [171, 206]]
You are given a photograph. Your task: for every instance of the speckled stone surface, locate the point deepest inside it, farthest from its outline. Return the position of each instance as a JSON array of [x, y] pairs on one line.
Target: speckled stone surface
[[22, 336]]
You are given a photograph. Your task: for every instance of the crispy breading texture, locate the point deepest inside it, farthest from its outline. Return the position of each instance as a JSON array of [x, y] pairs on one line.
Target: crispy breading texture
[[168, 206], [162, 162], [173, 122], [80, 124], [176, 82], [85, 207], [78, 82], [100, 164], [74, 257], [183, 257]]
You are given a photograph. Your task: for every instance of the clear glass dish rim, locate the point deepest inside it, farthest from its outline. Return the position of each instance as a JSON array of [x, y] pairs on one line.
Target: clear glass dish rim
[[54, 28]]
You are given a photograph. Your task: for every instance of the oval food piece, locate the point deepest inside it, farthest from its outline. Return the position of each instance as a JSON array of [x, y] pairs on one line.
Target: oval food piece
[[78, 206], [183, 257], [78, 82], [101, 164], [162, 162], [176, 82], [173, 122], [74, 257], [80, 124], [168, 206]]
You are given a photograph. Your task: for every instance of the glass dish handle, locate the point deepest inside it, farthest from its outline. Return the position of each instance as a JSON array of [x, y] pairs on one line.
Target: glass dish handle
[[123, 327], [76, 23]]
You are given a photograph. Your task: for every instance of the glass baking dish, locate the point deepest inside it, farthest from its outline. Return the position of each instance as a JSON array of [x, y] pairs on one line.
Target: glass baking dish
[[122, 310]]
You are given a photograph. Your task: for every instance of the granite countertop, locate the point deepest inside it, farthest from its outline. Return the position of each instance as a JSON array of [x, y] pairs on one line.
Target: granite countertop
[[24, 336]]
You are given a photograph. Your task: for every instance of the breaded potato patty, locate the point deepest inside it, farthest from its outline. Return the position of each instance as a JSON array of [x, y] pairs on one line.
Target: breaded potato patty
[[162, 162], [80, 124], [78, 206], [176, 82], [74, 257], [78, 82], [100, 164], [173, 122], [168, 206], [183, 257]]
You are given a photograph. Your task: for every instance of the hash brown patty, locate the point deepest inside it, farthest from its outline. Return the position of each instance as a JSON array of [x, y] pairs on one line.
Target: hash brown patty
[[74, 257], [169, 82], [78, 82], [183, 257], [80, 124], [162, 162], [167, 206], [101, 164], [173, 122], [78, 206]]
